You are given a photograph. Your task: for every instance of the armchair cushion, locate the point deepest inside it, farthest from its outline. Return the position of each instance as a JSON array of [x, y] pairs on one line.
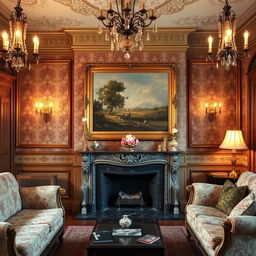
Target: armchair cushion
[[31, 239], [206, 194], [230, 196], [51, 217], [44, 197], [247, 206]]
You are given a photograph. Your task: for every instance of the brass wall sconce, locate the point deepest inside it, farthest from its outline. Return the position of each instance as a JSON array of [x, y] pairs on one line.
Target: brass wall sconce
[[212, 109], [44, 110]]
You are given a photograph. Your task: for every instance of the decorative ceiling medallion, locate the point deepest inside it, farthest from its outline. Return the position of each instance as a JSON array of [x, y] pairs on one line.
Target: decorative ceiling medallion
[[196, 20], [80, 6], [33, 3], [92, 7], [53, 23], [168, 7]]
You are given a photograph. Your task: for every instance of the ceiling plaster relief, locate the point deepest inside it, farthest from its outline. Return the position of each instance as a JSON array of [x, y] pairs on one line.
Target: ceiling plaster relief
[[32, 3], [80, 6], [52, 23], [197, 21]]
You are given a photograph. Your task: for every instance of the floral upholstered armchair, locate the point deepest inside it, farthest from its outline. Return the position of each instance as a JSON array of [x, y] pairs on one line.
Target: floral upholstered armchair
[[219, 234], [31, 218]]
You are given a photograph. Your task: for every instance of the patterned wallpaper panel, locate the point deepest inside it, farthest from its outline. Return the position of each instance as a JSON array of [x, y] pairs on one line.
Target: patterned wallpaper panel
[[208, 84], [48, 81], [82, 59]]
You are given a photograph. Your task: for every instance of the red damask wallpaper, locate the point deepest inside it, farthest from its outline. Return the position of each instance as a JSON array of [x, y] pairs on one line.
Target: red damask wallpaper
[[208, 84], [48, 81]]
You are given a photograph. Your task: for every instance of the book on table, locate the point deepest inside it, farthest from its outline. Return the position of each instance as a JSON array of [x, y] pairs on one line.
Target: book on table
[[148, 239], [102, 237], [127, 232]]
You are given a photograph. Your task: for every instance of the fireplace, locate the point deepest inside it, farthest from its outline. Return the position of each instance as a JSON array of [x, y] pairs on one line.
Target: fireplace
[[148, 178], [105, 174]]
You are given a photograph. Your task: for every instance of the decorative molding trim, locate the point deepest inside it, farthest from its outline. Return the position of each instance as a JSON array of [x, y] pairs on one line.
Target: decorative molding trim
[[43, 159], [167, 38]]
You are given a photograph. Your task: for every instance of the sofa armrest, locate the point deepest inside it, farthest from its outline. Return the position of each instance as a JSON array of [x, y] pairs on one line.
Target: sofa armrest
[[239, 237], [204, 194], [7, 239], [41, 197], [243, 225]]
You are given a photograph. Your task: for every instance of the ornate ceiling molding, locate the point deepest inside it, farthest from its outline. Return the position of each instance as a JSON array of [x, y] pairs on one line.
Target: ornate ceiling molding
[[52, 23], [91, 7], [80, 6], [196, 21]]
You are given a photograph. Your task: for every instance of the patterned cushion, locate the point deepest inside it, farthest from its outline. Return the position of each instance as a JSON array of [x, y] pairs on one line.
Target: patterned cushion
[[247, 206], [230, 196], [31, 239], [41, 197], [196, 210], [248, 179], [51, 217], [208, 229]]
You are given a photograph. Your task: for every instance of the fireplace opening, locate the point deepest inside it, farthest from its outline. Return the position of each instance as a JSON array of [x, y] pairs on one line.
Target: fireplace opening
[[148, 179]]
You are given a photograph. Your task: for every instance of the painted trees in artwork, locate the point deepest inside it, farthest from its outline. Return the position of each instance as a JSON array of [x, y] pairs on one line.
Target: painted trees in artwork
[[110, 95]]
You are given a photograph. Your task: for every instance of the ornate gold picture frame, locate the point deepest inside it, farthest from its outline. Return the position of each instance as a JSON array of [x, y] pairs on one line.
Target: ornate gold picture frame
[[137, 99]]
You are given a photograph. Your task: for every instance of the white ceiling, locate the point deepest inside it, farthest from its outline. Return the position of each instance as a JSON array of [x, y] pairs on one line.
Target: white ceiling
[[60, 14]]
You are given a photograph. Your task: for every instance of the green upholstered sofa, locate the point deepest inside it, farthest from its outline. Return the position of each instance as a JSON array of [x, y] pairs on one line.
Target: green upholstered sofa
[[31, 218], [215, 233]]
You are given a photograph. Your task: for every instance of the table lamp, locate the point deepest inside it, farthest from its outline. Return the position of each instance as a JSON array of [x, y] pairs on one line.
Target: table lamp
[[233, 140]]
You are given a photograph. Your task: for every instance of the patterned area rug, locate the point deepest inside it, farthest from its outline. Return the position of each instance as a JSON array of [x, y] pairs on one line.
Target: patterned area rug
[[75, 239]]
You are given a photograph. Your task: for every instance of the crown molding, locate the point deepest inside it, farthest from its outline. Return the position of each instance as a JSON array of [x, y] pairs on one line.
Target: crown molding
[[164, 39]]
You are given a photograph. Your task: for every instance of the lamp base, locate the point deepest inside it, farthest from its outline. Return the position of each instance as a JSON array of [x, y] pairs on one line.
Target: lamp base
[[233, 174]]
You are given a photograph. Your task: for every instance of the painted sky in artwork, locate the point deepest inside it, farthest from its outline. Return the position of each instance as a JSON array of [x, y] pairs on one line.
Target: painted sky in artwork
[[145, 90]]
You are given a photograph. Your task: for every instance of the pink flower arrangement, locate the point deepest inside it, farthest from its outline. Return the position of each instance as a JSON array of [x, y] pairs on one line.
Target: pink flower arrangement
[[129, 141]]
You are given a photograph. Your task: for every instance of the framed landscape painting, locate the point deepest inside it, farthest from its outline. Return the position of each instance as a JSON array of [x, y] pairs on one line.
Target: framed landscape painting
[[137, 99]]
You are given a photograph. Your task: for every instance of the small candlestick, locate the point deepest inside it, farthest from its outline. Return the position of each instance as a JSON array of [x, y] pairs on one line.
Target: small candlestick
[[246, 36], [210, 39], [110, 5], [36, 44]]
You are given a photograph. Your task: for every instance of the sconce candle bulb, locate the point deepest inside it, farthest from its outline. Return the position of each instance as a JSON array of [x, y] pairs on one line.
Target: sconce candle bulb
[[44, 110], [212, 109]]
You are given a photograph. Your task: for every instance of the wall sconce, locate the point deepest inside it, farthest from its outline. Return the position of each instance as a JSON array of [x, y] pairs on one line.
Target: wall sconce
[[212, 109], [44, 110]]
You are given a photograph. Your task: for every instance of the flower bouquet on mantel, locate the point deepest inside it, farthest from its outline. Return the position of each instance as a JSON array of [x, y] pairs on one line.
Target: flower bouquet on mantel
[[129, 141]]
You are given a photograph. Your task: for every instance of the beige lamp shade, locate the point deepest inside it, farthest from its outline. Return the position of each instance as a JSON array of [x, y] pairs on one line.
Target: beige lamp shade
[[233, 140]]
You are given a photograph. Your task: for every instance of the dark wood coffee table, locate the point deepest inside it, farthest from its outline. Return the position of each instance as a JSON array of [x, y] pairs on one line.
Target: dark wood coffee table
[[127, 246]]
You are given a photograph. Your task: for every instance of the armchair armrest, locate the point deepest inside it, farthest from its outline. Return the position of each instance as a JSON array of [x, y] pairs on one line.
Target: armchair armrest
[[242, 225], [203, 194], [41, 197], [239, 237], [7, 239]]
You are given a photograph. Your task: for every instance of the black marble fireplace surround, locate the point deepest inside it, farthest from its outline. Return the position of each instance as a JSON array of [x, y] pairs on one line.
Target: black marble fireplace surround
[[156, 174]]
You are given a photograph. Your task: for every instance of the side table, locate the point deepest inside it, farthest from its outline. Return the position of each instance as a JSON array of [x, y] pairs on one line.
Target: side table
[[219, 178]]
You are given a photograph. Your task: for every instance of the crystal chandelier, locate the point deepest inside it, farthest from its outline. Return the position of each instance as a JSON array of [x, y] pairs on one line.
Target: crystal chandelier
[[126, 26], [14, 50], [227, 53]]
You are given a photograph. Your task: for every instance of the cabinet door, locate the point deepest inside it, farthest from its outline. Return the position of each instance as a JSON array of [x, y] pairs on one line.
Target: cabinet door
[[5, 133]]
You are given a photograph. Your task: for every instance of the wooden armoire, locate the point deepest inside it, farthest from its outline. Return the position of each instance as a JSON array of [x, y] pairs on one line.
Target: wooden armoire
[[6, 122]]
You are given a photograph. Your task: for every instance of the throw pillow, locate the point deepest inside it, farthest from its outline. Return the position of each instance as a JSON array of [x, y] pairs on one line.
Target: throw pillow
[[230, 196], [247, 206]]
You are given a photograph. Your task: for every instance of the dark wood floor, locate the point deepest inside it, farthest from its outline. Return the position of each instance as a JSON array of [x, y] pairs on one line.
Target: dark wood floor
[[70, 220]]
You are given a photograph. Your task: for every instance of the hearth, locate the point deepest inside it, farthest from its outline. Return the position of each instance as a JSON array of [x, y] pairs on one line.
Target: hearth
[[154, 174]]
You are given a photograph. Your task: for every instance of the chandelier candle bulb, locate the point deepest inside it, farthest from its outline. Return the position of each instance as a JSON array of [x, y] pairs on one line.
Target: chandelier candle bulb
[[5, 41], [246, 37], [17, 39], [36, 45], [210, 39]]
